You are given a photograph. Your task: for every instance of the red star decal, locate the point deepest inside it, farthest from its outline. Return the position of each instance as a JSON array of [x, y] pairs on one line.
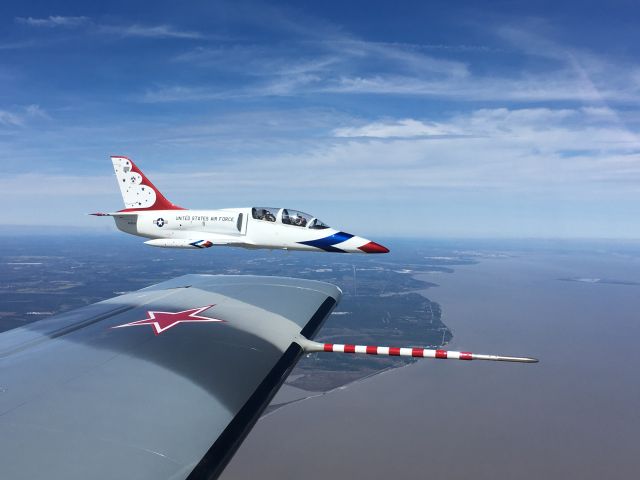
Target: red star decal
[[163, 321]]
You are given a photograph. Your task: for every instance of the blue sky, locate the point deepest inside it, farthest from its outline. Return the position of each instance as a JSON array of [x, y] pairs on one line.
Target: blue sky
[[514, 119]]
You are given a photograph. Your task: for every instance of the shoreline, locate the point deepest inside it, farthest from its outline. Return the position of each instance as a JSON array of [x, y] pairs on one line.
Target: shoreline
[[431, 285]]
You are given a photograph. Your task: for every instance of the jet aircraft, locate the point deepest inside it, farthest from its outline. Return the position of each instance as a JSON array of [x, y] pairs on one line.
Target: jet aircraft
[[149, 214], [163, 382]]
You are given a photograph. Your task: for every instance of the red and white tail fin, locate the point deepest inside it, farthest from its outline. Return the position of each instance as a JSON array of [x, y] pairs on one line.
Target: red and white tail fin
[[137, 190]]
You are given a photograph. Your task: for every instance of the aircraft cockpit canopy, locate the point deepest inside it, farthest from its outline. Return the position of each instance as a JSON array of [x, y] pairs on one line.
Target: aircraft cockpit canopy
[[317, 224], [287, 217], [293, 217], [265, 213]]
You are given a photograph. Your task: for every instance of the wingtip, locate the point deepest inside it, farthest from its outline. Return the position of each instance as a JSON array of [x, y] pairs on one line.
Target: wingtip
[[501, 358], [524, 359]]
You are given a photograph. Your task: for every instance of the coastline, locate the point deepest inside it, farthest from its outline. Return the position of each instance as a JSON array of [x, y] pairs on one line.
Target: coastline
[[290, 394], [496, 420]]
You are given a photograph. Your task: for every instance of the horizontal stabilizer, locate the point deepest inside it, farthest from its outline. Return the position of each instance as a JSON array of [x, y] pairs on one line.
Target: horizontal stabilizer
[[115, 214], [310, 346]]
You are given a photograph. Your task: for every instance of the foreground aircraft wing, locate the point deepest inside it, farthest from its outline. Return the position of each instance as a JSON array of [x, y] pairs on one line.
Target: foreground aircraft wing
[[161, 383]]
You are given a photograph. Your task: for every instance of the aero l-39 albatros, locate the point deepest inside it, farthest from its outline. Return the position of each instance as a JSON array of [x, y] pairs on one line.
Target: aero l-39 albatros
[[164, 382], [148, 213]]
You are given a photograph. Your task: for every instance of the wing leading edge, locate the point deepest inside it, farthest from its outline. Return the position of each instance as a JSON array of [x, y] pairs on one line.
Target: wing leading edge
[[164, 382]]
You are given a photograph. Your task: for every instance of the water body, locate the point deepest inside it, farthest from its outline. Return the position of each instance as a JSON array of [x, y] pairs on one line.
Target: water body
[[576, 413]]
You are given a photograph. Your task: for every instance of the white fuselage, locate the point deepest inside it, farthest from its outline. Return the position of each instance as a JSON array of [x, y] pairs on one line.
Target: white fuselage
[[233, 227]]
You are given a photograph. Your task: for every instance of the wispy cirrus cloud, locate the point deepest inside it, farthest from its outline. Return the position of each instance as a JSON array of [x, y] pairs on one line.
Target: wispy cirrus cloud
[[313, 65], [563, 86], [529, 149], [399, 57], [277, 86], [286, 107], [258, 60], [54, 21], [337, 63], [112, 29], [511, 150], [17, 45], [148, 31], [20, 117], [404, 128], [566, 153], [178, 93], [542, 128]]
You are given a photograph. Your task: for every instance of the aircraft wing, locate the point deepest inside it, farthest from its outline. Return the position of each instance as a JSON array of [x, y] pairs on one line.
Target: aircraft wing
[[161, 383]]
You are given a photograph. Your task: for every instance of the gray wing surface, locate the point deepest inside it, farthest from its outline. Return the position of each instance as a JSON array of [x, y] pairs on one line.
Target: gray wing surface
[[81, 399]]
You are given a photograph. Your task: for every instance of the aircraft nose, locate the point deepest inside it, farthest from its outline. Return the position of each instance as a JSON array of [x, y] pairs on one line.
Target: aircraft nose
[[373, 247]]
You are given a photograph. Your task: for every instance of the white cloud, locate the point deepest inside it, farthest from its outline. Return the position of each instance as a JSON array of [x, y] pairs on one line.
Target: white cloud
[[501, 122], [528, 149], [148, 31], [544, 155], [123, 30], [19, 117], [541, 87], [54, 21], [406, 74], [401, 128], [280, 86], [334, 62], [10, 119], [522, 149], [400, 56], [179, 93], [35, 111], [16, 45]]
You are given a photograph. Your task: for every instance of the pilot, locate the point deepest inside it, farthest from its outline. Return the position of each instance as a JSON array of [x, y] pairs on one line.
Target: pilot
[[269, 216], [300, 221]]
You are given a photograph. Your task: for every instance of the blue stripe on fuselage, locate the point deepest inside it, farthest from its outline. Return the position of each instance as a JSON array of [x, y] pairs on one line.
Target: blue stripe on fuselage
[[327, 243]]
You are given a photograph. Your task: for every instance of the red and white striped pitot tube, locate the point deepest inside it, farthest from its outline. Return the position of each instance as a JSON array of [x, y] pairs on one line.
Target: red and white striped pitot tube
[[310, 346]]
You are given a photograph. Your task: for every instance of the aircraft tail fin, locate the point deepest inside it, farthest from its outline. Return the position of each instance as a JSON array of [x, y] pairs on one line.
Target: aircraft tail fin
[[137, 190]]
